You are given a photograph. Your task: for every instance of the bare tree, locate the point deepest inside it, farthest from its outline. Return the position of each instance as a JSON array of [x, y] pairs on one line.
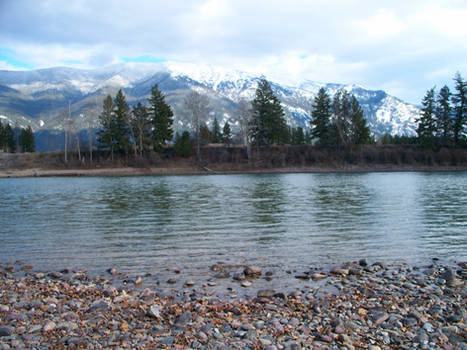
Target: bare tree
[[244, 117], [196, 106]]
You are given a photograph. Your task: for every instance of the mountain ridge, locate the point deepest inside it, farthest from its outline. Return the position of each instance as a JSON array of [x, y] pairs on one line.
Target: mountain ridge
[[40, 98]]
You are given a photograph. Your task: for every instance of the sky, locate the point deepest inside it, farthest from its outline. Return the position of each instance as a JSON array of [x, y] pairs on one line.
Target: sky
[[403, 47]]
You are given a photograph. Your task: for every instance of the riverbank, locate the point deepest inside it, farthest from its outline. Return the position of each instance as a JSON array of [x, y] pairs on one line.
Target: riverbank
[[192, 170], [234, 160], [354, 306]]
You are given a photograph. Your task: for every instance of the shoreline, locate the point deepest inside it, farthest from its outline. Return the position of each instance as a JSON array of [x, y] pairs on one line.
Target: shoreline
[[167, 171], [357, 305]]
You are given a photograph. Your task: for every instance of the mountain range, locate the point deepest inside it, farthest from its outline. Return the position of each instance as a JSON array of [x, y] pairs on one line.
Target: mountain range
[[40, 98]]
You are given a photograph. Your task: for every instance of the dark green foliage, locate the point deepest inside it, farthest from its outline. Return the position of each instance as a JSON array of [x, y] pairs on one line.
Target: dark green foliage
[[162, 118], [121, 123], [360, 132], [321, 118], [348, 125], [26, 140], [427, 121], [105, 135], [216, 132], [297, 136], [268, 125], [205, 135], [443, 112], [142, 128], [183, 146], [226, 134], [459, 100], [7, 138]]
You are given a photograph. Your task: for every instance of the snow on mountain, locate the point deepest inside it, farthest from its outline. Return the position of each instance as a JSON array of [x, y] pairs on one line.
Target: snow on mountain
[[41, 96]]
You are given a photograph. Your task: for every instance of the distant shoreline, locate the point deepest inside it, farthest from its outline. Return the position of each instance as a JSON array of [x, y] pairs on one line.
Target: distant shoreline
[[162, 171]]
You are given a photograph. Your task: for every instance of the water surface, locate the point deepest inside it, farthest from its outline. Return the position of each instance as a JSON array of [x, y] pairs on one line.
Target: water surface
[[148, 224]]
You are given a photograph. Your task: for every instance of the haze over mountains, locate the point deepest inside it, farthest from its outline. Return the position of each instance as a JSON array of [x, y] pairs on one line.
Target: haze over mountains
[[40, 98]]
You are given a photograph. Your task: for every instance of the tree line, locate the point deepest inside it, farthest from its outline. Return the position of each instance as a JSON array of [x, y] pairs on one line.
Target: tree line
[[443, 121], [16, 139]]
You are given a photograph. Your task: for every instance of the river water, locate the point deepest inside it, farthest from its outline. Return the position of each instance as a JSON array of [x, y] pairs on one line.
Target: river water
[[277, 221]]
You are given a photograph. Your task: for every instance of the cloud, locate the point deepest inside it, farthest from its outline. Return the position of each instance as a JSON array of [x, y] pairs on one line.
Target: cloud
[[367, 42]]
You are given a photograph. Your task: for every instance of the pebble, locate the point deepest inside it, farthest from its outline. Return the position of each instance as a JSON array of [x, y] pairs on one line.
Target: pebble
[[377, 307]]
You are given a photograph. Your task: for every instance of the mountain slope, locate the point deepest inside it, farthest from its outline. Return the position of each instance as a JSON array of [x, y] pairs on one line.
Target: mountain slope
[[40, 98]]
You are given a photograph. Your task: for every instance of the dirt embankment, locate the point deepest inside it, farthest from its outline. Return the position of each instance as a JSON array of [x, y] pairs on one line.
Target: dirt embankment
[[226, 160]]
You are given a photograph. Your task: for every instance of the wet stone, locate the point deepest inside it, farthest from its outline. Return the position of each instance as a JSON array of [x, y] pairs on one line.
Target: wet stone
[[6, 331]]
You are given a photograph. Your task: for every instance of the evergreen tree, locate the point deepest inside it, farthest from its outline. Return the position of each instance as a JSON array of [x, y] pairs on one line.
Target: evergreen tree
[[121, 123], [360, 132], [26, 140], [105, 134], [444, 115], [268, 124], [459, 100], [427, 121], [183, 146], [216, 132], [162, 118], [341, 108], [205, 135], [226, 134], [2, 137], [141, 124], [321, 118], [297, 136], [9, 139]]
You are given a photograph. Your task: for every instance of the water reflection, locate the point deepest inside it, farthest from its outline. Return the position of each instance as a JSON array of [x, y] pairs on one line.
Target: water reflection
[[287, 219]]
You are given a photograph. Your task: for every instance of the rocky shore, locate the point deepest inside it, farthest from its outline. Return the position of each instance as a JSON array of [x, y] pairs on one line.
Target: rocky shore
[[358, 305]]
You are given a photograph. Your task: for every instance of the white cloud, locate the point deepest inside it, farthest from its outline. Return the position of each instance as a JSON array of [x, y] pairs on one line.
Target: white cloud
[[367, 42]]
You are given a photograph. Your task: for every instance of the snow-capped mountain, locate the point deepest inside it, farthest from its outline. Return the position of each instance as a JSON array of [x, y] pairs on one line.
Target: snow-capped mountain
[[40, 98]]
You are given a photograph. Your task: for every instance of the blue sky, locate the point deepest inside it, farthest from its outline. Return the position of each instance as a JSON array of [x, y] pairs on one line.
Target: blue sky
[[403, 47]]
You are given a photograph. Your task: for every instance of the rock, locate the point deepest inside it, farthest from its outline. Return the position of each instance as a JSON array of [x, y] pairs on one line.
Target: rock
[[55, 275], [252, 271], [302, 277], [362, 262], [98, 305], [189, 284], [27, 267], [246, 284], [171, 281], [6, 331], [139, 281], [266, 293], [110, 292], [223, 274], [39, 275], [167, 341], [183, 319], [216, 267], [112, 271], [155, 311], [202, 337], [448, 276], [318, 276], [49, 326]]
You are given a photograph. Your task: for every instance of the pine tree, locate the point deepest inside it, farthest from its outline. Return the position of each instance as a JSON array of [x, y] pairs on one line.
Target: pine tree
[[321, 118], [268, 124], [162, 118], [216, 132], [205, 135], [26, 140], [105, 134], [444, 115], [9, 139], [427, 121], [459, 100], [341, 108], [2, 137], [360, 132], [226, 134], [141, 124], [183, 146], [121, 123], [297, 136]]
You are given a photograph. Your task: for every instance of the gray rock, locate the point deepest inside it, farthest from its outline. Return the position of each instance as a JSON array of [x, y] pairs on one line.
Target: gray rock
[[167, 340], [252, 271], [362, 262], [183, 319], [49, 326], [6, 331], [155, 311], [266, 293]]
